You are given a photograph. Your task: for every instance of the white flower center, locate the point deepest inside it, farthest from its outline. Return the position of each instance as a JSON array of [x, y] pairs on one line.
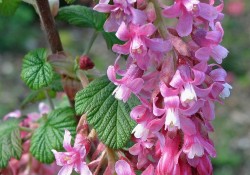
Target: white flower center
[[172, 119], [226, 91], [188, 94]]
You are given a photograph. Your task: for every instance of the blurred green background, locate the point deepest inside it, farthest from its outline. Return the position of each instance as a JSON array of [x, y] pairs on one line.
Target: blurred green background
[[21, 33]]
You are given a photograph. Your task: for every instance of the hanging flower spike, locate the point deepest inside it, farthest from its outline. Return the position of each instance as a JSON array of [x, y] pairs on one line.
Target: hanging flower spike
[[74, 158]]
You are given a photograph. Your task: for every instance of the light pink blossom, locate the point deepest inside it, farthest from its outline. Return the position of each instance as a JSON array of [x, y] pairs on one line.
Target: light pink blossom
[[73, 158]]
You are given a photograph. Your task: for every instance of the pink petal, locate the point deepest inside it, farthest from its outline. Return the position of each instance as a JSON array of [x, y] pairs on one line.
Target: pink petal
[[122, 49], [135, 149], [104, 8], [208, 110], [218, 53], [172, 101], [158, 45], [43, 108], [193, 109], [59, 157], [123, 168], [218, 74], [147, 29], [176, 81], [185, 23], [136, 85], [149, 170], [157, 111], [156, 124], [139, 17], [199, 77], [67, 140], [203, 53], [14, 114], [172, 11], [123, 32], [166, 92], [207, 11], [84, 169], [111, 24], [214, 36], [66, 170], [112, 75], [187, 125], [209, 147], [143, 62]]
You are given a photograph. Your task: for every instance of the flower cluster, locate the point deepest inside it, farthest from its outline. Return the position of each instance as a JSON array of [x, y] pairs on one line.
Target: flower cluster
[[175, 72]]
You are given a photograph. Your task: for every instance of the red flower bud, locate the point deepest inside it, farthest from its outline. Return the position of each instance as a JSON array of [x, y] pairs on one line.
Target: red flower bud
[[85, 63]]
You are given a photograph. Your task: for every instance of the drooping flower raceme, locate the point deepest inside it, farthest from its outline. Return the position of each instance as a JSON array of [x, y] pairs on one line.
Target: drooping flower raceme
[[175, 71]]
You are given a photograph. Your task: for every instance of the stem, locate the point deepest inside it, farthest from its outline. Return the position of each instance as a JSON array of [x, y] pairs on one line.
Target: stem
[[159, 22], [102, 159], [49, 25], [92, 39], [25, 129], [52, 106]]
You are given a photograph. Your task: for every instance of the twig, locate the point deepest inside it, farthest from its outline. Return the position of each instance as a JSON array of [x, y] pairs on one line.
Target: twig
[[49, 26]]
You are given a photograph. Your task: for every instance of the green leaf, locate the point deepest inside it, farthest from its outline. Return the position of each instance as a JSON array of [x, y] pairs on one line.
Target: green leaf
[[8, 7], [109, 116], [111, 39], [56, 84], [36, 71], [36, 96], [10, 141], [49, 135], [82, 16]]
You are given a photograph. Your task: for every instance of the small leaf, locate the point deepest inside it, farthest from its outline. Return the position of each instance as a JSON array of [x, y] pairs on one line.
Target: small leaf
[[49, 135], [109, 116], [111, 39], [10, 141], [36, 71], [36, 96], [82, 16], [8, 7]]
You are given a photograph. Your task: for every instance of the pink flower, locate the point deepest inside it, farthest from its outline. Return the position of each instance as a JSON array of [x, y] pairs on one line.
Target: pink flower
[[73, 158], [138, 42], [186, 10], [121, 11], [130, 83], [182, 9], [14, 114], [186, 79], [209, 43]]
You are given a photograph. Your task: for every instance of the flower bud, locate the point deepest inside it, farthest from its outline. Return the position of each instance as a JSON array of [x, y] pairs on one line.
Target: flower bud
[[85, 63], [54, 6]]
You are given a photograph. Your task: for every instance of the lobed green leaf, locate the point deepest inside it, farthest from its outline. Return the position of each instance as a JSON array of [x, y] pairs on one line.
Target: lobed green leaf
[[107, 115], [49, 135], [36, 71], [10, 141], [82, 16]]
